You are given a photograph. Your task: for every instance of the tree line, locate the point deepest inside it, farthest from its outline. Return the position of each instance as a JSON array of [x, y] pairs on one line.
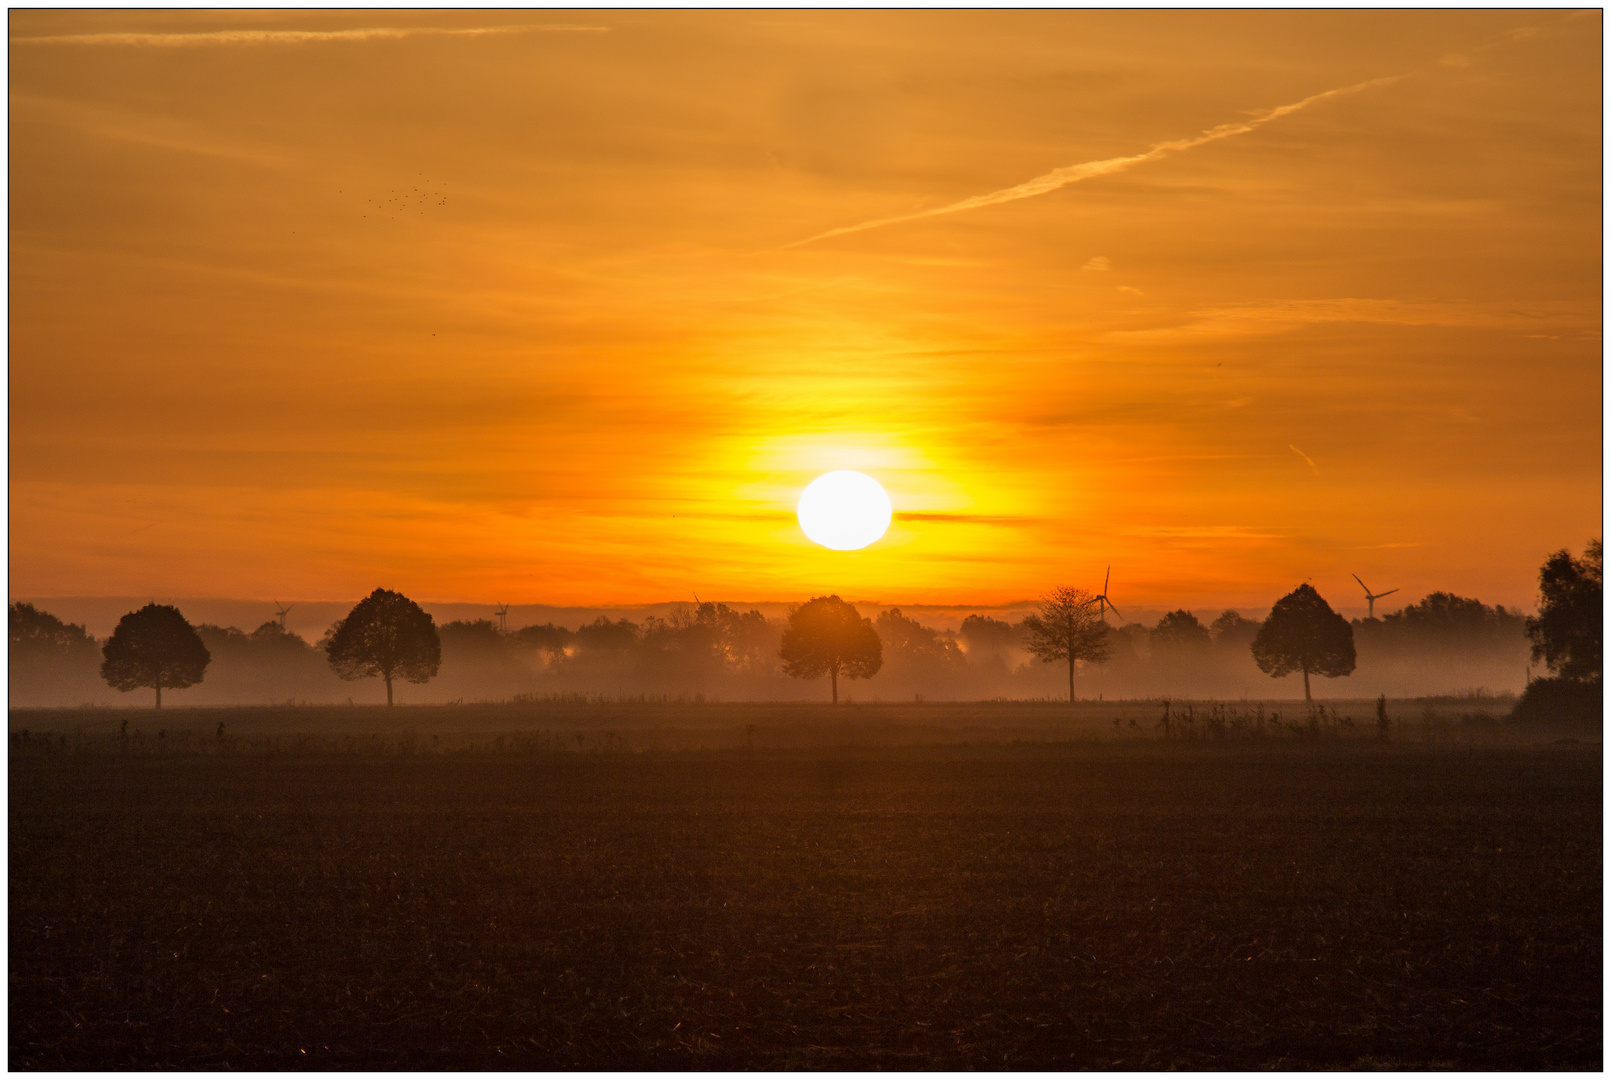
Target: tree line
[[708, 646]]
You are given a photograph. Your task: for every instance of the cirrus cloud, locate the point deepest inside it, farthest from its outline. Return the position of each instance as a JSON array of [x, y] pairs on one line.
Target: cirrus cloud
[[293, 37]]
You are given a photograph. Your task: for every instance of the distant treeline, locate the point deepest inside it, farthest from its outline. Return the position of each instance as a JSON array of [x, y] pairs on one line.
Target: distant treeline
[[1441, 644]]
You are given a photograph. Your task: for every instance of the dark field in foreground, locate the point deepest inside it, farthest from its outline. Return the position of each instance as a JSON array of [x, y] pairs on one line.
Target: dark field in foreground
[[574, 722], [1274, 903]]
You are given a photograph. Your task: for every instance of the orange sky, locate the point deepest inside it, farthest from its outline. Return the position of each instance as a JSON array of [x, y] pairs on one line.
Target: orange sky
[[523, 314]]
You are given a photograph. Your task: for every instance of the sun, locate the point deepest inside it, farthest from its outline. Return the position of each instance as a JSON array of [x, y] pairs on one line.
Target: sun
[[844, 510]]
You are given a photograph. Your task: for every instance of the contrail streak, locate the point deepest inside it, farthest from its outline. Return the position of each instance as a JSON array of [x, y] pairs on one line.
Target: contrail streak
[[292, 37], [1305, 457], [1073, 174]]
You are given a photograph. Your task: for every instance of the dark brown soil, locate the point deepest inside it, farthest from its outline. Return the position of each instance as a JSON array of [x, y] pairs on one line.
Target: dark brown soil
[[1232, 906]]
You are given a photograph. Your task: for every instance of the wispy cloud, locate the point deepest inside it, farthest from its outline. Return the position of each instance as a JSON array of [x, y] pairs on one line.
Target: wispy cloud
[[1239, 321], [952, 517], [1307, 459], [294, 37], [125, 126], [1211, 532], [1085, 170]]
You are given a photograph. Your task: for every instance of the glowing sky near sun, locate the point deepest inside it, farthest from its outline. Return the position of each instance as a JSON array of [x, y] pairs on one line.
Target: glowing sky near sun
[[568, 307]]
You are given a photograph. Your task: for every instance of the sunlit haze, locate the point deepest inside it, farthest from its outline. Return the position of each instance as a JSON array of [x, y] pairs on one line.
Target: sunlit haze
[[569, 307]]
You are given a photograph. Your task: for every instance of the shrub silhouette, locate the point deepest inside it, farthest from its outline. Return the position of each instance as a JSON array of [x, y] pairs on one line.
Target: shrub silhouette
[[385, 635], [154, 647], [1304, 634], [825, 636], [1561, 701], [1067, 627]]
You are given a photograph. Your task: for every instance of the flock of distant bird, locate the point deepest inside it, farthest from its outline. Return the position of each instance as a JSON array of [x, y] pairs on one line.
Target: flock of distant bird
[[407, 200]]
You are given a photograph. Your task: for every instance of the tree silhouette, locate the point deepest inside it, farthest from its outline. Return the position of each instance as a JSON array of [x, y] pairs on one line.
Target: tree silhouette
[[1230, 629], [385, 635], [744, 640], [601, 636], [154, 647], [276, 640], [986, 636], [471, 638], [1568, 632], [825, 636], [1304, 634], [1179, 632], [1447, 619], [919, 653], [39, 632], [698, 646], [1067, 627], [548, 638]]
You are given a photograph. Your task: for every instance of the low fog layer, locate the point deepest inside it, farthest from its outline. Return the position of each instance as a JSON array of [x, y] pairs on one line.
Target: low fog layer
[[1441, 645]]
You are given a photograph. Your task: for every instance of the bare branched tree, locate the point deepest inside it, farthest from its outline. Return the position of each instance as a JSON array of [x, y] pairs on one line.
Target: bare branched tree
[[1068, 627]]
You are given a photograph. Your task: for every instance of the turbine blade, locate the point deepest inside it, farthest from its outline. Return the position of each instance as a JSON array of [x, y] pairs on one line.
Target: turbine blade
[[1389, 592], [1113, 609], [1362, 585], [1105, 578]]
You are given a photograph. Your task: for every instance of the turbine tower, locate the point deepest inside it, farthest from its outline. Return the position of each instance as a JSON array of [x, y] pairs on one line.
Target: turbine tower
[[503, 618], [1104, 605], [281, 610], [1371, 598]]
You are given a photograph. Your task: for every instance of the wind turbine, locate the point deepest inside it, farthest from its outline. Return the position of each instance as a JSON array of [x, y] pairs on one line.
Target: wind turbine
[[1104, 605], [503, 618], [1371, 598], [282, 610]]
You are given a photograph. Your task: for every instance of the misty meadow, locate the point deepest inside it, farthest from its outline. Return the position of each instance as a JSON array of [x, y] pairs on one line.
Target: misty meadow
[[1440, 645]]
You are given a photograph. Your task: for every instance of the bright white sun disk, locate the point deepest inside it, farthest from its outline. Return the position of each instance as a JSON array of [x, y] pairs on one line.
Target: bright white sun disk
[[844, 510]]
